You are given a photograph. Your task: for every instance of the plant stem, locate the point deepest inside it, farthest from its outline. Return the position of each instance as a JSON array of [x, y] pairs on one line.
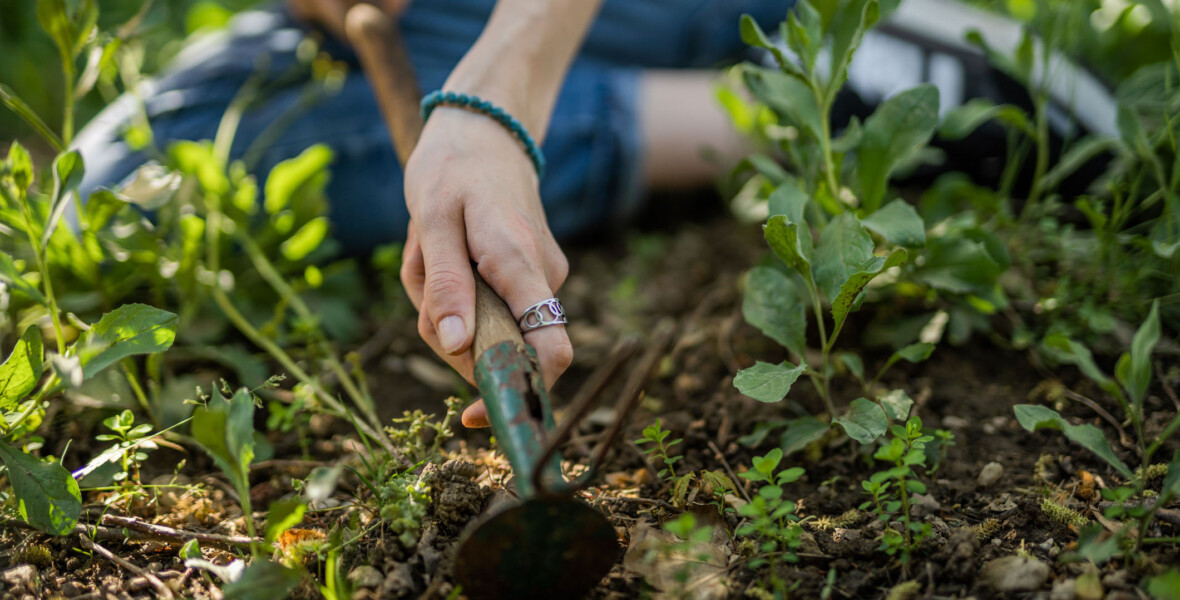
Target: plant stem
[[43, 269], [280, 285], [825, 378]]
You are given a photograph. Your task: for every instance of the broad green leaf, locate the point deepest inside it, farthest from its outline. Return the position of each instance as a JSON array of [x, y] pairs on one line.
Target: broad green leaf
[[789, 200], [21, 370], [1034, 417], [225, 429], [289, 176], [1165, 586], [855, 20], [803, 33], [765, 382], [898, 128], [913, 353], [1081, 357], [848, 298], [263, 580], [788, 97], [843, 249], [764, 166], [865, 421], [1137, 378], [190, 549], [774, 305], [308, 238], [855, 365], [791, 243], [898, 223], [47, 496], [126, 331], [897, 405], [801, 433], [961, 266], [282, 515], [67, 174]]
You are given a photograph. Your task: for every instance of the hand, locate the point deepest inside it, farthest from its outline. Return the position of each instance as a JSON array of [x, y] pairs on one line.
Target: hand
[[472, 195], [329, 14]]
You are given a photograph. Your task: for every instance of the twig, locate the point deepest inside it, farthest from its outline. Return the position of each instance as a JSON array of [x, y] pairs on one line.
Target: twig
[[1164, 514], [179, 535], [725, 463], [163, 590], [1102, 412], [1159, 375]]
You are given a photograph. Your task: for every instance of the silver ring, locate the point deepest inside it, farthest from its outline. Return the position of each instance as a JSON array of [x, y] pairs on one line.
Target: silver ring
[[542, 314]]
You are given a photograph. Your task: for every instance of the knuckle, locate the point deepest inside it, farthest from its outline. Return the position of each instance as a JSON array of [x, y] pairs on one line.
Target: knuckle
[[425, 327], [441, 284]]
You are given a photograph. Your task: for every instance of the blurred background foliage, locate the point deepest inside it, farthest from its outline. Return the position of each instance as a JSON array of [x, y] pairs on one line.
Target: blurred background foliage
[[157, 30], [1113, 37]]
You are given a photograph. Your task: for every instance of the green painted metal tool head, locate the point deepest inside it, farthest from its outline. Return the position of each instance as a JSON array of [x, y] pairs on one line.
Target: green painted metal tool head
[[554, 547], [550, 545]]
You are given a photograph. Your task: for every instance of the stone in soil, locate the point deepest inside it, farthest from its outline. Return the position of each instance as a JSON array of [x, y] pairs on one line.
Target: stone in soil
[[1015, 574], [366, 576], [990, 474], [20, 576]]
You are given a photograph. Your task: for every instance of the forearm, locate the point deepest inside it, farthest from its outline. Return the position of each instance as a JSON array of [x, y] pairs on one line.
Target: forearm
[[521, 58]]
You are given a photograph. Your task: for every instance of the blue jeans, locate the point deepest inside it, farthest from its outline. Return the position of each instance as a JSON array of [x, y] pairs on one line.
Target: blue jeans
[[593, 146]]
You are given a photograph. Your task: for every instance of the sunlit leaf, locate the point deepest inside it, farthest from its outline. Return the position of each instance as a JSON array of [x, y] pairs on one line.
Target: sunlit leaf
[[126, 331], [47, 496], [21, 370]]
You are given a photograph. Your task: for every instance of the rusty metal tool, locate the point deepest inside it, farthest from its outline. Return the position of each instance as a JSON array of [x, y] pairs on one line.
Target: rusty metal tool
[[549, 545]]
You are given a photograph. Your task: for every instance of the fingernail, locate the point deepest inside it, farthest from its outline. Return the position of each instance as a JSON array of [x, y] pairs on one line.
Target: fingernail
[[452, 333]]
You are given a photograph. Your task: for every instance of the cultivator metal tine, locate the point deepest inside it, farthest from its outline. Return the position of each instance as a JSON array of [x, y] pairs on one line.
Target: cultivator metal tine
[[586, 399]]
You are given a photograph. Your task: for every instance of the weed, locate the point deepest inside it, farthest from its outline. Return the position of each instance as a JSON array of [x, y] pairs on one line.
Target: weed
[[890, 490], [660, 449], [986, 529], [771, 518], [1133, 375]]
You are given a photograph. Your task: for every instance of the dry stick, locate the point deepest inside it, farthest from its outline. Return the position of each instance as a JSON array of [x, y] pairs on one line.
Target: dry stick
[[1102, 412], [163, 590], [179, 535], [1159, 374], [725, 463], [1163, 514]]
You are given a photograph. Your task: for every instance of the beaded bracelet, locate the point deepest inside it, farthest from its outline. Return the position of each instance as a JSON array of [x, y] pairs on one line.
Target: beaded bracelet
[[437, 97]]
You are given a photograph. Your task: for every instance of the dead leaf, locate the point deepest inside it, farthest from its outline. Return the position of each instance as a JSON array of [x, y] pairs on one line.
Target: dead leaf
[[678, 569]]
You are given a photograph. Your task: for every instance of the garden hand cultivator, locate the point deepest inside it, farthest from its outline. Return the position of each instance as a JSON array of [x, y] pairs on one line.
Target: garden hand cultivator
[[548, 545]]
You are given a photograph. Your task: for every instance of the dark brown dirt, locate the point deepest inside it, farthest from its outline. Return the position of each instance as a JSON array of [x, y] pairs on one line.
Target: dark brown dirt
[[624, 286]]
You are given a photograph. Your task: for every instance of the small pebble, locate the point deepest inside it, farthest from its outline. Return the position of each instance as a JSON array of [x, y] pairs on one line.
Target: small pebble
[[1015, 574], [72, 588], [20, 576], [990, 474], [924, 504], [366, 576], [1063, 590]]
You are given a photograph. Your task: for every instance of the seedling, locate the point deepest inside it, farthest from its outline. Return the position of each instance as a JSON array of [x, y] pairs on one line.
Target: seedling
[[660, 449], [889, 490], [771, 518]]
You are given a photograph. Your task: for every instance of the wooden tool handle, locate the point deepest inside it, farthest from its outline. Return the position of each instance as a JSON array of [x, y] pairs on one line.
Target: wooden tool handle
[[383, 57]]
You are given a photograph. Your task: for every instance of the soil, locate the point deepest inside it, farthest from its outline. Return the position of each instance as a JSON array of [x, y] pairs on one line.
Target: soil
[[687, 272]]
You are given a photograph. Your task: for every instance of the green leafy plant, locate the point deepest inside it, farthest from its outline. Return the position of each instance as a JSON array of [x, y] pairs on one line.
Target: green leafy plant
[[771, 518], [889, 490], [130, 438], [829, 225], [660, 449], [1129, 387]]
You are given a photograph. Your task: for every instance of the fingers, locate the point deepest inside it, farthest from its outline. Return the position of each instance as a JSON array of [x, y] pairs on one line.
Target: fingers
[[413, 271], [448, 288], [522, 282]]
